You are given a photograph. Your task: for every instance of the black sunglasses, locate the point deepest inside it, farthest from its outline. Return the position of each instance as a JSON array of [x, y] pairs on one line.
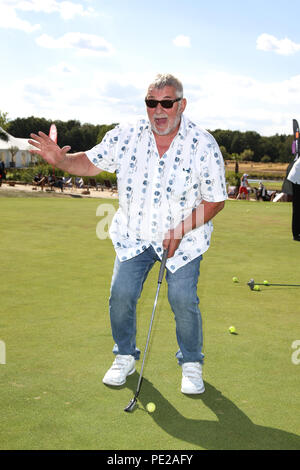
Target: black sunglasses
[[164, 103]]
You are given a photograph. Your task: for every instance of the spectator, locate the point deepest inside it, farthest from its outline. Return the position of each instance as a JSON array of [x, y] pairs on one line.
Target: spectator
[[244, 187]]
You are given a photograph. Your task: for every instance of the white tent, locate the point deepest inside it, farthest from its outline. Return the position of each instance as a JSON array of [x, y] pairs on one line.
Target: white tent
[[22, 158]]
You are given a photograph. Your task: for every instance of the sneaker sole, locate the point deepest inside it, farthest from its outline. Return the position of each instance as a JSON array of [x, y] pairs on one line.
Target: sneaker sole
[[190, 392], [117, 384]]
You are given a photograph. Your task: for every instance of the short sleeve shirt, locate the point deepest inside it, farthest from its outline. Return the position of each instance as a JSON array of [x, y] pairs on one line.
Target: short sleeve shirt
[[157, 193], [294, 174]]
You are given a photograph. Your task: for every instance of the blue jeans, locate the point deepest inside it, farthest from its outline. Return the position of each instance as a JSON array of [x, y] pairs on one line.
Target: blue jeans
[[126, 287]]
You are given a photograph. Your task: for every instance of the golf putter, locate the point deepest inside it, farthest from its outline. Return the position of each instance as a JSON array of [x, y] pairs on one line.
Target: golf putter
[[252, 283], [133, 401]]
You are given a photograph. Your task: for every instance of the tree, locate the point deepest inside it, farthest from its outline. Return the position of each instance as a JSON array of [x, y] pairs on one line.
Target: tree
[[224, 152], [223, 137], [3, 120], [252, 140], [3, 136], [247, 155], [23, 127], [103, 130], [13, 151], [238, 142]]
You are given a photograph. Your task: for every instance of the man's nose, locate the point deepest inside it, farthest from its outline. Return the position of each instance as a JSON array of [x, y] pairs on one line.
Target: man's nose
[[159, 108]]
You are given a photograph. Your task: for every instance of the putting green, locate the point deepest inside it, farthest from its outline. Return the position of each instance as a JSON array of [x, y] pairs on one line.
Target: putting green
[[55, 278]]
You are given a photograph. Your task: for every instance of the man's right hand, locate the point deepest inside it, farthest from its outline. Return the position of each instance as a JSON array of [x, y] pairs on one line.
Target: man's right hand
[[47, 149]]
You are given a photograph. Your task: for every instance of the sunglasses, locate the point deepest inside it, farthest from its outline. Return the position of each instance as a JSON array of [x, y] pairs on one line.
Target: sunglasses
[[167, 104]]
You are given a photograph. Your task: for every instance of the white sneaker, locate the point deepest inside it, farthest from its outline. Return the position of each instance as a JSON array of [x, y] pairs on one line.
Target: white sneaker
[[192, 382], [122, 366]]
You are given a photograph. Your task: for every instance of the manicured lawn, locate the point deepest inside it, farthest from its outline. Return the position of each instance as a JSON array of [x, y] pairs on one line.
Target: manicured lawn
[[55, 279]]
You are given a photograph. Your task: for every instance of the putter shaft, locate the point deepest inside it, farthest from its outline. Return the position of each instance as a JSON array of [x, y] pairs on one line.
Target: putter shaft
[[133, 401]]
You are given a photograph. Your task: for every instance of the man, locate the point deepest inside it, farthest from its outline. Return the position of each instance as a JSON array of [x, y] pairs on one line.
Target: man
[[262, 193], [171, 184], [294, 178], [243, 187]]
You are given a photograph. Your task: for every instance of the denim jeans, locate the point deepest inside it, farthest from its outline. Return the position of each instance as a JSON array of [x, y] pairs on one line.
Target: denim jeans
[[126, 287]]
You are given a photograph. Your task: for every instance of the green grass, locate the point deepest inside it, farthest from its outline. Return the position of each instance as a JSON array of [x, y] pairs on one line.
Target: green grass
[[269, 185], [55, 279]]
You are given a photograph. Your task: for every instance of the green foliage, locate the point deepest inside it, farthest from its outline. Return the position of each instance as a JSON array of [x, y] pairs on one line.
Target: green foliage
[[103, 130], [3, 121], [27, 175], [82, 137], [236, 143], [79, 136], [247, 155], [233, 178], [3, 136]]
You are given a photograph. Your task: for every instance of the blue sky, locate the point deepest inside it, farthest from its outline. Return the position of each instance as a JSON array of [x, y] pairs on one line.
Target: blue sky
[[92, 60]]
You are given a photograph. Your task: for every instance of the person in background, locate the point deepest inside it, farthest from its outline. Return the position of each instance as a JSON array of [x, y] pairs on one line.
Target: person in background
[[243, 189]]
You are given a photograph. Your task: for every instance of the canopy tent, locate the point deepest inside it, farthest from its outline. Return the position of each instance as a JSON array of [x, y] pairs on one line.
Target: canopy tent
[[22, 158]]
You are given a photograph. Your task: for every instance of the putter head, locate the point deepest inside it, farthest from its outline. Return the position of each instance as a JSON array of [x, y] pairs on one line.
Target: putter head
[[130, 405], [251, 284]]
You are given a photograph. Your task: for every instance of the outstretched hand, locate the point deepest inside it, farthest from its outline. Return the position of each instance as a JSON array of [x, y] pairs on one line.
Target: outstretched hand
[[47, 149]]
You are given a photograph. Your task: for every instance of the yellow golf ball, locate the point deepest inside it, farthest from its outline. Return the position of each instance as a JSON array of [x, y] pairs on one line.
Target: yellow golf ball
[[235, 279], [150, 407], [256, 287], [232, 329], [266, 283]]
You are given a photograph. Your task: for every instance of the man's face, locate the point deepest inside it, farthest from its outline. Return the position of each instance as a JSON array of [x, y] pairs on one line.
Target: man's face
[[165, 121]]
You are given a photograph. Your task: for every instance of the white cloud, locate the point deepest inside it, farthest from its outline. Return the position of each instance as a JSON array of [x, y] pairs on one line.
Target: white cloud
[[228, 101], [10, 20], [63, 69], [214, 100], [269, 43], [66, 9], [182, 41], [85, 44]]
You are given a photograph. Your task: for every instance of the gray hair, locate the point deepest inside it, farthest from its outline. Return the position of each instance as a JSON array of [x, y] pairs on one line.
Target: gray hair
[[166, 79]]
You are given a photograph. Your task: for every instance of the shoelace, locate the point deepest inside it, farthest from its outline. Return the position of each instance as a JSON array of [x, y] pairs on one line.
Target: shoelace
[[192, 371], [119, 363]]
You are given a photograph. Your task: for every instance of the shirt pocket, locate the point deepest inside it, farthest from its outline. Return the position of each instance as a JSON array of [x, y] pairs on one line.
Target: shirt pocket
[[179, 184]]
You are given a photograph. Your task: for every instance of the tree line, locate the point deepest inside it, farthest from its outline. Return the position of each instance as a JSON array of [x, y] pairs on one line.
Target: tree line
[[235, 145]]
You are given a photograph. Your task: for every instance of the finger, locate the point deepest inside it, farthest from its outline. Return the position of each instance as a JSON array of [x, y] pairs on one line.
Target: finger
[[35, 151], [66, 148], [36, 137], [35, 144], [166, 243], [45, 136], [173, 245]]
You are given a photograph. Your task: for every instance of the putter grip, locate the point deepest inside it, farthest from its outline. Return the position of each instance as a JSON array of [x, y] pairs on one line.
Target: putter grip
[[162, 266]]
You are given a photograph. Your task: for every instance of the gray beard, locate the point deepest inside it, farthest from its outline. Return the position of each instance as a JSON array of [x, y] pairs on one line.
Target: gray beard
[[169, 128]]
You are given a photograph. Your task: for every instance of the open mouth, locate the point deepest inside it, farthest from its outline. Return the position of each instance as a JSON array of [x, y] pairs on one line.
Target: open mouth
[[160, 122]]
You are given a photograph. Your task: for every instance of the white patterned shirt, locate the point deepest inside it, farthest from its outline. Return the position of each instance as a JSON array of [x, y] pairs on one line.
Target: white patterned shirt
[[156, 194], [294, 174]]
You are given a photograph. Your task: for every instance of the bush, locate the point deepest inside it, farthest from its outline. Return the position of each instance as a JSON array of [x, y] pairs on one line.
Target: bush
[[27, 175], [233, 178]]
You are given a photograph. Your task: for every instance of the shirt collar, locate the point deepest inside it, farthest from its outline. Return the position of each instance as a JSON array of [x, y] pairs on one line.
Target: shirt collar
[[183, 126]]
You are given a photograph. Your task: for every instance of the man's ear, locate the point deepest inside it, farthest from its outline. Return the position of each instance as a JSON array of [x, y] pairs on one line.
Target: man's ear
[[183, 104]]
